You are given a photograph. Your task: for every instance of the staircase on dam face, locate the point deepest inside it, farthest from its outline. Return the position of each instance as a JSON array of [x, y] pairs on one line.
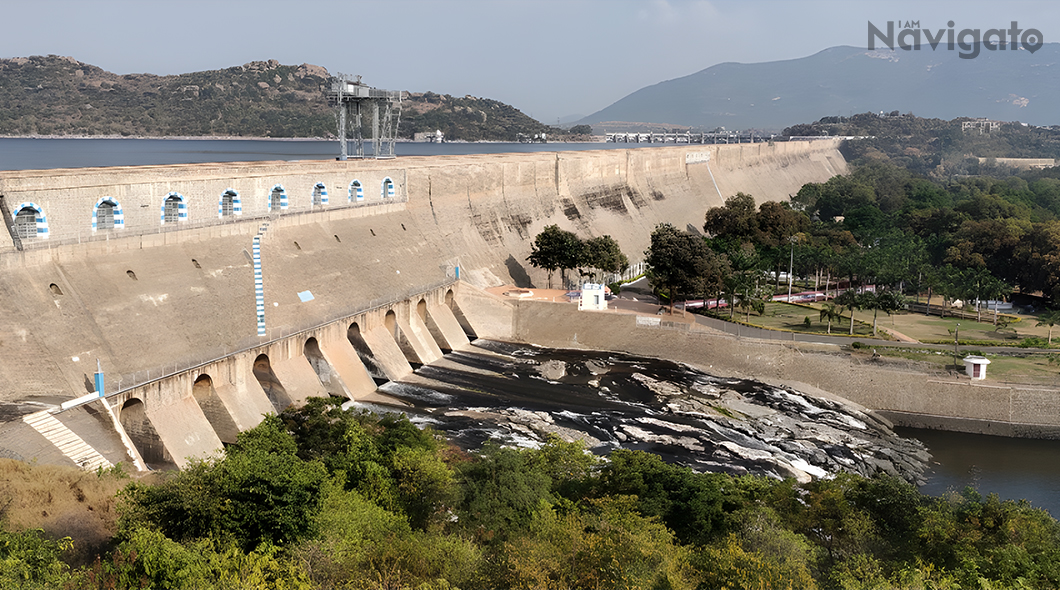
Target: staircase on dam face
[[66, 441]]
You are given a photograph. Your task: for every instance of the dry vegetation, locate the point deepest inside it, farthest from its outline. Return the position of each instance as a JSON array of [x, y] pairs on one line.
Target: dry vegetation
[[63, 502]]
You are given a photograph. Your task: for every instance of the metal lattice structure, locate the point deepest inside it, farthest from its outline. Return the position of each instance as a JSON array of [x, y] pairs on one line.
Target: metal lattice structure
[[353, 101]]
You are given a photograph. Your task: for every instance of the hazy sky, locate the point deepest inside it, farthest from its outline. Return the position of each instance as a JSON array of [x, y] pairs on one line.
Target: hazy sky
[[549, 58]]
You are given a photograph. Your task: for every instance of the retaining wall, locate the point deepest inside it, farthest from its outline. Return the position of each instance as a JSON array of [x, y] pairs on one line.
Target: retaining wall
[[900, 391]]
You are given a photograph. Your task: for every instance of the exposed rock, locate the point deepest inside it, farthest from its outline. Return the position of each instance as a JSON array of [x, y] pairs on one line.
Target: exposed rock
[[707, 423], [596, 367], [553, 370], [658, 387]]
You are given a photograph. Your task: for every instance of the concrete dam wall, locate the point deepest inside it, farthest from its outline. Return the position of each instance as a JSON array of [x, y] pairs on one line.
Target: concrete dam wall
[[150, 271]]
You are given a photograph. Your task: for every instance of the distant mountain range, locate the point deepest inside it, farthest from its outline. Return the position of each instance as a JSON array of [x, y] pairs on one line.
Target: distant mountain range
[[53, 95], [1001, 85]]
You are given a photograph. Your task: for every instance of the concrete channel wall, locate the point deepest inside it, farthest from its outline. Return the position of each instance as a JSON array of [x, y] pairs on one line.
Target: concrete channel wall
[[902, 392]]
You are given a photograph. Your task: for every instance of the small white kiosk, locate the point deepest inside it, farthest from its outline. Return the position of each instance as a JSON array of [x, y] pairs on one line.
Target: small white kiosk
[[593, 297], [975, 367]]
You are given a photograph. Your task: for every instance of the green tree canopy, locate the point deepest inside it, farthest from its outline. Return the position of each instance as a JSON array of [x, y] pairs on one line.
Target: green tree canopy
[[676, 260], [604, 254], [554, 249]]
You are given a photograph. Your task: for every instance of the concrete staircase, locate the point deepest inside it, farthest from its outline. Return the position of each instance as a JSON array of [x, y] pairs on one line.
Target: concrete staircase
[[66, 441]]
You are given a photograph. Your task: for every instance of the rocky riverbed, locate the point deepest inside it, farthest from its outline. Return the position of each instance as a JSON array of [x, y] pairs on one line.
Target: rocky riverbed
[[518, 394]]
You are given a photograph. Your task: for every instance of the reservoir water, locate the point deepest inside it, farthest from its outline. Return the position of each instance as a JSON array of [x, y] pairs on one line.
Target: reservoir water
[[34, 154], [1013, 468]]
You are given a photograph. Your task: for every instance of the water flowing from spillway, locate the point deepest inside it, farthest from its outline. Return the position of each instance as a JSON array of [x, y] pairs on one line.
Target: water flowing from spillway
[[518, 394]]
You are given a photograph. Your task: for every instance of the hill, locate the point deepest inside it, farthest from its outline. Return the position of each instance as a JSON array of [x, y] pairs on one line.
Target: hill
[[53, 95], [1002, 85], [934, 147]]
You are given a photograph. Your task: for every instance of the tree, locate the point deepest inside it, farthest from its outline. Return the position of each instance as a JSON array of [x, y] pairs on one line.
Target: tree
[[675, 260], [605, 544], [604, 254], [555, 248], [1049, 318], [28, 559], [887, 301], [829, 313], [852, 301], [502, 489], [260, 492], [736, 220], [743, 283]]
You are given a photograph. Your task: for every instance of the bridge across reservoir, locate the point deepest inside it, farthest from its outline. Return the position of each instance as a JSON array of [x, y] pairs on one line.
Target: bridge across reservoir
[[153, 271]]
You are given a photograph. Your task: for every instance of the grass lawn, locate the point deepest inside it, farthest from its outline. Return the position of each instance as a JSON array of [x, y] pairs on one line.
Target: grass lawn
[[779, 315], [935, 329], [1016, 367], [1030, 369]]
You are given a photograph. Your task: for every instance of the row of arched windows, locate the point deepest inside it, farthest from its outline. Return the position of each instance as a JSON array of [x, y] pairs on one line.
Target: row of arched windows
[[31, 223]]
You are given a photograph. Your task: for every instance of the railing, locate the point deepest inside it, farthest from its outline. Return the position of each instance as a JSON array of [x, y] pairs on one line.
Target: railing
[[123, 382], [633, 270]]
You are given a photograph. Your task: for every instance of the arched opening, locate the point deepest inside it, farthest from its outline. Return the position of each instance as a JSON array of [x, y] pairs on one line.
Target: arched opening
[[271, 384], [320, 195], [229, 204], [134, 420], [390, 321], [328, 377], [277, 199], [107, 215], [353, 334], [171, 209], [214, 409], [356, 190], [388, 188], [450, 300], [55, 289], [26, 223], [432, 327], [401, 339]]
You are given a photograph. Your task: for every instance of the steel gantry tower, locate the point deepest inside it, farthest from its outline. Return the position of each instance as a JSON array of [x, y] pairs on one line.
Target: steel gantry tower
[[353, 100]]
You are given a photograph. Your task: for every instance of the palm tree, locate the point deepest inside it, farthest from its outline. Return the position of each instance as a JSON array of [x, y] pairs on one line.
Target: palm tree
[[829, 312], [852, 302], [1049, 318]]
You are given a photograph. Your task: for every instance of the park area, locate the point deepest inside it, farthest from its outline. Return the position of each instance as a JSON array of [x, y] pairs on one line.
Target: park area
[[1018, 346]]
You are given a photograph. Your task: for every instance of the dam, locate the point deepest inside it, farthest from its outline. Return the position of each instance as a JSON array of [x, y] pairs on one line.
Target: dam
[[211, 294]]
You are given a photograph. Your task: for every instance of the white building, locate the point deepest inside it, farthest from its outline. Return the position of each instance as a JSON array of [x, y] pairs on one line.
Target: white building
[[593, 297]]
